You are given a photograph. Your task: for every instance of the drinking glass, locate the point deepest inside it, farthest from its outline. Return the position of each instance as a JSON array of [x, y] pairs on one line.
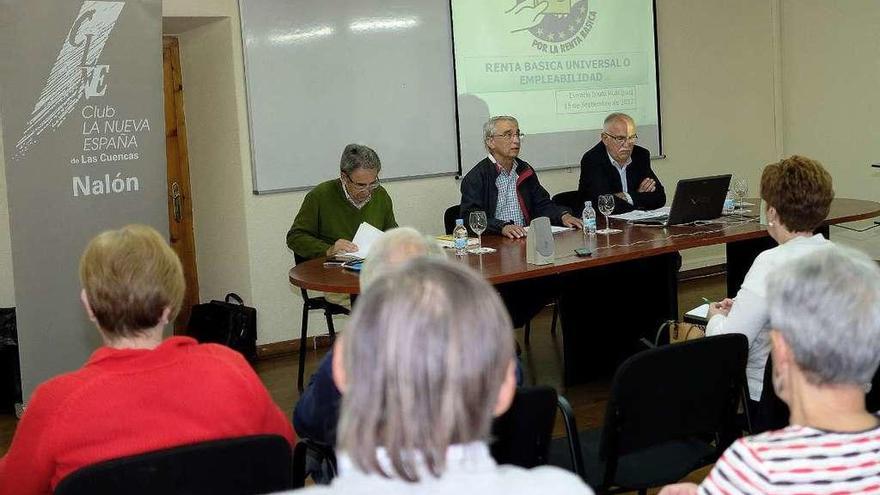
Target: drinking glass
[[478, 223], [741, 188], [606, 207]]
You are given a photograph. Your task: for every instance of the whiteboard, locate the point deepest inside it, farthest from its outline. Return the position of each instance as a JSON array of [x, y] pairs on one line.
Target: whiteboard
[[324, 73]]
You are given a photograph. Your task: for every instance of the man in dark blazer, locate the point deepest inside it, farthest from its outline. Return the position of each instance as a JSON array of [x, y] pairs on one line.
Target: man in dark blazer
[[618, 166]]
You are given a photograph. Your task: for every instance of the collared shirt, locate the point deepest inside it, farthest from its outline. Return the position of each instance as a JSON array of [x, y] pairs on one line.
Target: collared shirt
[[469, 469], [507, 208], [621, 169], [351, 200]]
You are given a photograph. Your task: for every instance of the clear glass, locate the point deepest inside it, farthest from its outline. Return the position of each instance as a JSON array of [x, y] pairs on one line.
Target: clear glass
[[478, 223], [606, 207], [741, 188]]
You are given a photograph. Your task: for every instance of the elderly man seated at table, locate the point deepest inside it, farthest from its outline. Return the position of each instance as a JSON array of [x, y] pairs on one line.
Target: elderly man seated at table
[[825, 316]]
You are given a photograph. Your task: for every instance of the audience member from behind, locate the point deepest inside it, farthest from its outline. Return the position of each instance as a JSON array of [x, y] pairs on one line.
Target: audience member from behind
[[317, 411], [136, 393], [426, 364], [797, 194], [825, 315]]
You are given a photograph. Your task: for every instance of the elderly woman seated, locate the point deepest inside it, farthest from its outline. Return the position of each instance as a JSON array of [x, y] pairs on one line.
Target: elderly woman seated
[[137, 393], [825, 315], [797, 192], [424, 366]]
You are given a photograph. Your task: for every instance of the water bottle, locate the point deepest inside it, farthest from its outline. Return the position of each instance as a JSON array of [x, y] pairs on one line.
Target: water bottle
[[589, 218], [460, 237], [729, 204]]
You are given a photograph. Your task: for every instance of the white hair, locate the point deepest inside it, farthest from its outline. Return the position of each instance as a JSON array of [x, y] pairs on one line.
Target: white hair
[[827, 307]]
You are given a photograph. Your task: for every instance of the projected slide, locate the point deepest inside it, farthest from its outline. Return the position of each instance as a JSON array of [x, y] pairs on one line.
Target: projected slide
[[559, 66]]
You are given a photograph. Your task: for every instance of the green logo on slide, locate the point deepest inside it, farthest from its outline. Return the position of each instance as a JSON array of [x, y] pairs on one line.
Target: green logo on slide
[[557, 25]]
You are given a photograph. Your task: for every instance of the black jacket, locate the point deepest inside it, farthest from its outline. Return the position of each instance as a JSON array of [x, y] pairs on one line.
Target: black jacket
[[478, 192], [599, 176]]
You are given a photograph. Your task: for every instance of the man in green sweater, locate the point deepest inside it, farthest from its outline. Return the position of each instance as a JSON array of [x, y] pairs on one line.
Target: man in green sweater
[[331, 212]]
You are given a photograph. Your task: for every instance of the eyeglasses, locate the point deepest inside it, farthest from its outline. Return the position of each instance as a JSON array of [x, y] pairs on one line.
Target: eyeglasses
[[362, 187], [622, 139], [508, 136]]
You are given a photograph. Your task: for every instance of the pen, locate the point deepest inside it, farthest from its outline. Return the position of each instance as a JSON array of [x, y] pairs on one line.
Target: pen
[[706, 300]]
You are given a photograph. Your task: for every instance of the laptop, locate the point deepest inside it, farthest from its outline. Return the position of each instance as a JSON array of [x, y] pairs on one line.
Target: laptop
[[701, 198]]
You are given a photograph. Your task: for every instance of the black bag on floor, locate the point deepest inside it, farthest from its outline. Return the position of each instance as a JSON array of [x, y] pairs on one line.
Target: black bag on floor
[[229, 323], [10, 370]]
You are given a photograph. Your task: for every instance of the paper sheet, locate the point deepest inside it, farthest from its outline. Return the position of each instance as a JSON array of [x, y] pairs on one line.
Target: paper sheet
[[554, 229], [364, 238], [642, 214], [700, 311]]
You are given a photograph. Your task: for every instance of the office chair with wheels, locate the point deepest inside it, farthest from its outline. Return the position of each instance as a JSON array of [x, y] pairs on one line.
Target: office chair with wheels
[[313, 304], [234, 466], [672, 409]]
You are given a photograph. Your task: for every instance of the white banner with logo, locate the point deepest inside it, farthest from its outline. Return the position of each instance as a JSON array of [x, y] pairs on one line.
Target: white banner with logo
[[82, 113]]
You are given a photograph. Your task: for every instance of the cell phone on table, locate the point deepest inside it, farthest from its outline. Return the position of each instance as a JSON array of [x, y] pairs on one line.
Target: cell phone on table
[[583, 252]]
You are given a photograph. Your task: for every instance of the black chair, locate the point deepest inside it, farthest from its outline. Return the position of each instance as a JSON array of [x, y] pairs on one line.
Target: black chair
[[321, 453], [312, 304], [523, 434], [571, 200], [773, 413], [450, 216], [239, 466], [672, 409]]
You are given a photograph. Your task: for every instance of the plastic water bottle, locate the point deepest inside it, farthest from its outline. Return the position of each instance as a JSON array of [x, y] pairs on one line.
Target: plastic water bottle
[[460, 237], [589, 218], [729, 204]]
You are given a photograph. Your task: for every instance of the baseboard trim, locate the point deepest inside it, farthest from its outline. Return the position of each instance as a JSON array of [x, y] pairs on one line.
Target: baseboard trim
[[702, 272], [285, 347]]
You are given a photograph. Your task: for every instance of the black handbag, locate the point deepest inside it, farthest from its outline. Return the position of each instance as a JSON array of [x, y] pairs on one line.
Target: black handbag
[[10, 369], [224, 322]]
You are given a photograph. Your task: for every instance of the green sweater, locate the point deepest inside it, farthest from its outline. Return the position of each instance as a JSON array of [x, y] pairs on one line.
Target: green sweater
[[326, 216]]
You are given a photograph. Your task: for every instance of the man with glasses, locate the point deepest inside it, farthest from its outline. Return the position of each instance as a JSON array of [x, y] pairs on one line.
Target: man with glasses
[[618, 166], [331, 212], [507, 188]]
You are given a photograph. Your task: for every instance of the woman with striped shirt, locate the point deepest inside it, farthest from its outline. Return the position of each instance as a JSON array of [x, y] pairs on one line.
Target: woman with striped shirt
[[825, 316]]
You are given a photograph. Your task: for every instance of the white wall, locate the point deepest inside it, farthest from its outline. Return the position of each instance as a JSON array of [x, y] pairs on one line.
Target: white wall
[[717, 100]]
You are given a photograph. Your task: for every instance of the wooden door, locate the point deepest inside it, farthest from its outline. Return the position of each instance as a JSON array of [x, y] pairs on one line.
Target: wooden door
[[180, 219]]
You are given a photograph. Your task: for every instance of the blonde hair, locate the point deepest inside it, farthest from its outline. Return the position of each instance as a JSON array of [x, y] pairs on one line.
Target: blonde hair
[[130, 276], [425, 356]]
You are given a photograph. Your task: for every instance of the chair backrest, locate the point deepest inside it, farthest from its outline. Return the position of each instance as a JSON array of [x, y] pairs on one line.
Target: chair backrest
[[675, 392], [449, 216], [244, 465], [571, 200], [297, 259], [773, 413], [522, 435]]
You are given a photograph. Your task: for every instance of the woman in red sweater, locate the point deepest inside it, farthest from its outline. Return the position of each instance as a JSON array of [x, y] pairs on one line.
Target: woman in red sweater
[[137, 393]]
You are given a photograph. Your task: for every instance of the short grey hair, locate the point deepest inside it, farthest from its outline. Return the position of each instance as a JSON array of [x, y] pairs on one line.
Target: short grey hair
[[614, 117], [427, 350], [356, 156], [491, 125], [827, 306], [394, 247]]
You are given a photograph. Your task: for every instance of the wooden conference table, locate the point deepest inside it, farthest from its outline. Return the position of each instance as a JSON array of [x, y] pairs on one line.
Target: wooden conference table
[[646, 257]]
